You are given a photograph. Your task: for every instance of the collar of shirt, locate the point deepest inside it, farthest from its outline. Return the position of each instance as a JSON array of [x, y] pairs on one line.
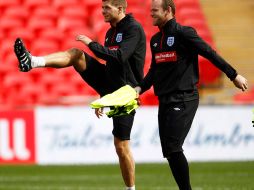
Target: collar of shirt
[[126, 19], [169, 25]]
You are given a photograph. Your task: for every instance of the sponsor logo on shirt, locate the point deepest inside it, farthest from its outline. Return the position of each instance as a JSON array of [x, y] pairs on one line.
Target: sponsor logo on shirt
[[165, 57], [119, 37], [170, 41], [113, 47]]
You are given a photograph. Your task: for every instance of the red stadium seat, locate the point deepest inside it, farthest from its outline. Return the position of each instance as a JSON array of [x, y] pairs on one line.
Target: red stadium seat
[[49, 80], [64, 89], [2, 35], [8, 23], [76, 85], [91, 5], [65, 73], [81, 86], [5, 69], [70, 76], [44, 46], [32, 4], [6, 47], [16, 12], [38, 24], [73, 32], [4, 4], [30, 94], [48, 12], [35, 74], [25, 34], [65, 3], [52, 34], [66, 22], [75, 12], [14, 81], [11, 59]]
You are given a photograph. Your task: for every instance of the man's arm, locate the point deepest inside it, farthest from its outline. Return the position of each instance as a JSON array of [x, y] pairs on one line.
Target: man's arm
[[125, 50], [148, 80], [203, 49]]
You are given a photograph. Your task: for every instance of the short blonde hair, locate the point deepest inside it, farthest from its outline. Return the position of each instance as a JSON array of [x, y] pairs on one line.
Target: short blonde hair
[[169, 3]]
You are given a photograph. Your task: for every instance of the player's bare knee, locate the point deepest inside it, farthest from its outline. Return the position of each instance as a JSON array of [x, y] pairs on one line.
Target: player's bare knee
[[75, 52], [120, 150], [77, 58]]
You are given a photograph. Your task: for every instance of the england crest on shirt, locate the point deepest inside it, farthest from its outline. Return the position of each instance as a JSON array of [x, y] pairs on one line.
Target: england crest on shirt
[[170, 41], [119, 37]]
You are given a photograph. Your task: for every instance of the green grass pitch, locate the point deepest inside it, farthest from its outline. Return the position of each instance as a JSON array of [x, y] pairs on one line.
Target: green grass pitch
[[204, 176]]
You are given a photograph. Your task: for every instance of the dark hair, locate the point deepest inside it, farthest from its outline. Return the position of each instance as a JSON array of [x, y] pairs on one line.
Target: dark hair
[[117, 3], [169, 3]]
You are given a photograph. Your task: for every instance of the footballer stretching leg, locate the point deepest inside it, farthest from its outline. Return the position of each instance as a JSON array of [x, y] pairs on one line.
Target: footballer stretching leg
[[72, 57]]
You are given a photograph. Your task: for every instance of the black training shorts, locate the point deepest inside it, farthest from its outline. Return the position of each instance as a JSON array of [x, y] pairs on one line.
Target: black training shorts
[[122, 126], [95, 76], [175, 121]]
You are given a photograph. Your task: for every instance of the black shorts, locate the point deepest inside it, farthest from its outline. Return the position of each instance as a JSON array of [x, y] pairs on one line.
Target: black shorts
[[95, 76], [122, 126], [175, 121]]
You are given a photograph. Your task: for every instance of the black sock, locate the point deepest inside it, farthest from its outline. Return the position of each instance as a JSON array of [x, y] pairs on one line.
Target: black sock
[[180, 170]]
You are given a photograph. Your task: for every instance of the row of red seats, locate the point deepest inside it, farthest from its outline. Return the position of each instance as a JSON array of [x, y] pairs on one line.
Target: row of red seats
[[56, 3], [36, 87]]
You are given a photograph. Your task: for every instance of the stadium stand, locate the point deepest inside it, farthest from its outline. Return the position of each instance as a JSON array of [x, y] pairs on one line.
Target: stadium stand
[[51, 25]]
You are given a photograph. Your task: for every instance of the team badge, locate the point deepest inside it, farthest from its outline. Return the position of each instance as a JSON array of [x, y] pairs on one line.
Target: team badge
[[170, 41], [119, 37]]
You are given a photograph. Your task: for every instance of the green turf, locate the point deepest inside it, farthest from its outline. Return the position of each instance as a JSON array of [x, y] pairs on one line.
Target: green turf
[[204, 176]]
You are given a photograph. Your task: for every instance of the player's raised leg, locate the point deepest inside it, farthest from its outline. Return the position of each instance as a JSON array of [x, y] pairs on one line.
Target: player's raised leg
[[72, 57]]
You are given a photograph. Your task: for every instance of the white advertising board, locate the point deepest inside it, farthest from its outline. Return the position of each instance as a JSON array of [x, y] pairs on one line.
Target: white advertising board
[[74, 135]]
